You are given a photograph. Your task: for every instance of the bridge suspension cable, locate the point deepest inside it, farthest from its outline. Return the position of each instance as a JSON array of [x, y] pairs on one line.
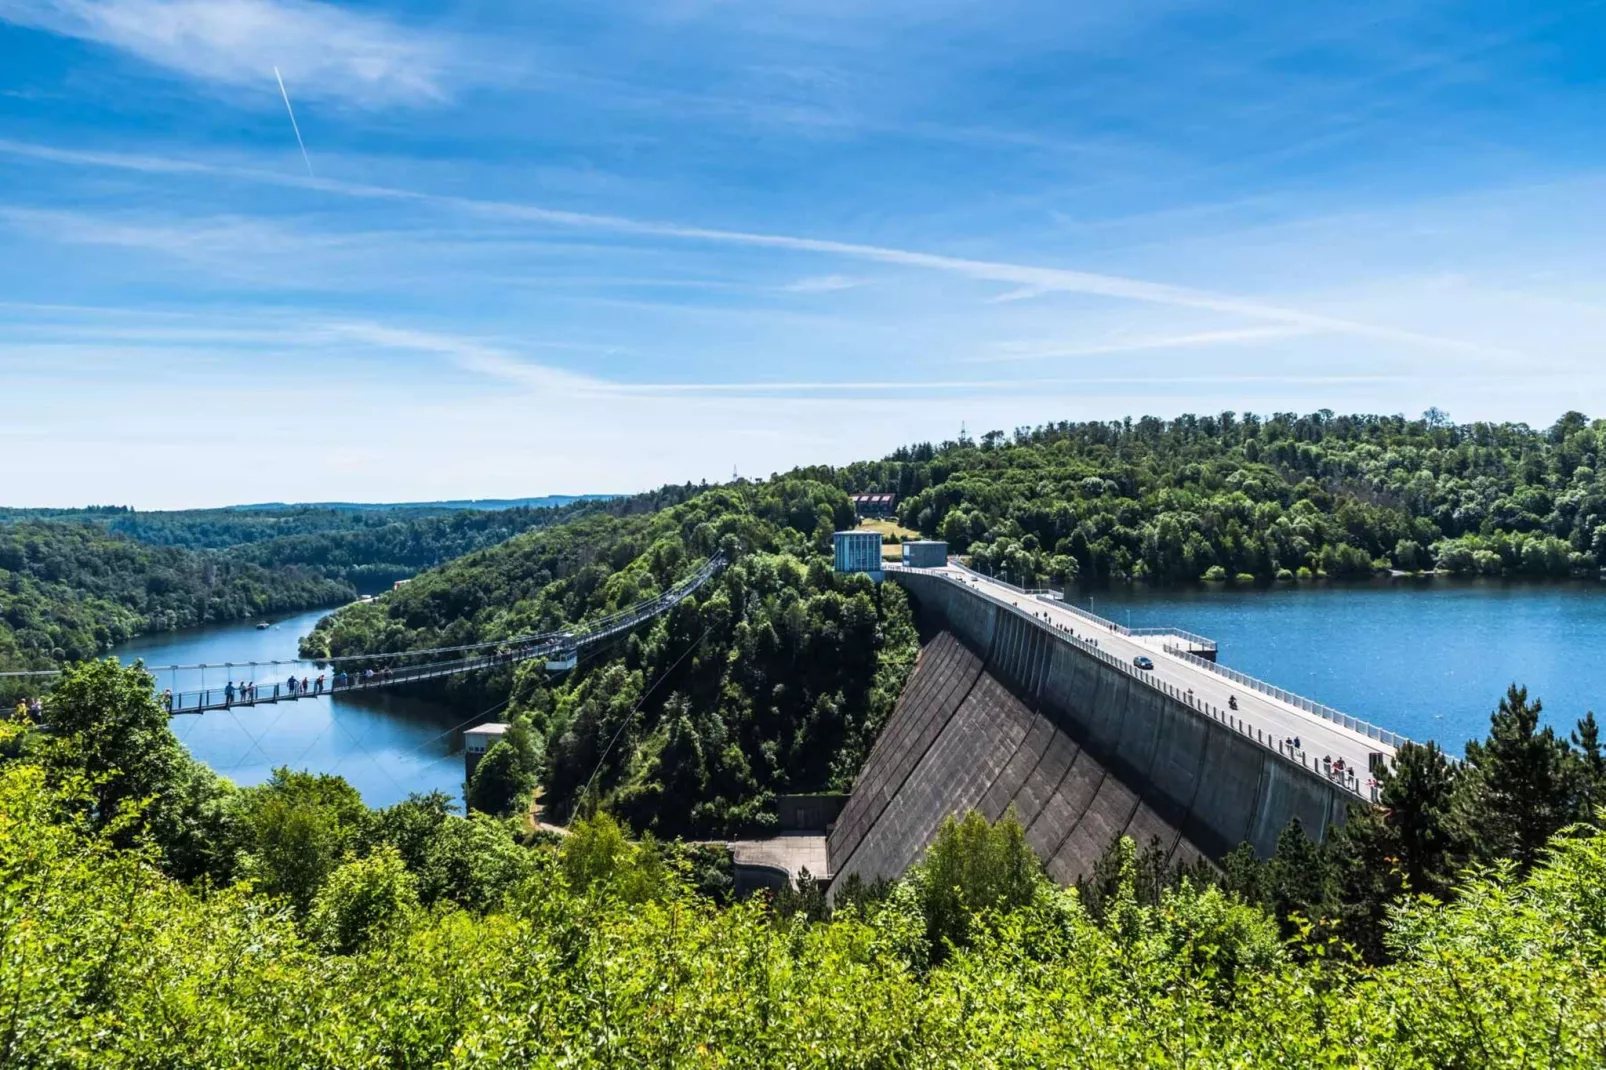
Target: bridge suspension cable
[[486, 654]]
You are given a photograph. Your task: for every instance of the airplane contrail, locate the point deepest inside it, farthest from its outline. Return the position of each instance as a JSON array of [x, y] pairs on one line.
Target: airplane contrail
[[293, 125]]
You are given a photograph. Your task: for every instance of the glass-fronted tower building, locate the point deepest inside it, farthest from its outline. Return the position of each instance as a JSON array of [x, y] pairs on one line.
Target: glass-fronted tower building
[[858, 551]]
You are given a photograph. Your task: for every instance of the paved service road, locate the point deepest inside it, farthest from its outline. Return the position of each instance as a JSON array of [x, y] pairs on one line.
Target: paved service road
[[1278, 722]]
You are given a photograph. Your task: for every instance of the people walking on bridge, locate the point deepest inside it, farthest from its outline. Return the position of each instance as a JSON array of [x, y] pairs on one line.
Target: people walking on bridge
[[367, 676], [167, 699], [341, 679], [305, 685], [228, 693], [290, 685], [318, 685]]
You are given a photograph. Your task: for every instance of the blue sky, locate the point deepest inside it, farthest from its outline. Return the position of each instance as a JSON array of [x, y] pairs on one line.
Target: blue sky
[[565, 247]]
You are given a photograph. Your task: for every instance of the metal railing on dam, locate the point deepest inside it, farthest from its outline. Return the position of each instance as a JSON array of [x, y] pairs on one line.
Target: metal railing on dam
[[1327, 713], [1311, 706], [1349, 780], [1199, 642]]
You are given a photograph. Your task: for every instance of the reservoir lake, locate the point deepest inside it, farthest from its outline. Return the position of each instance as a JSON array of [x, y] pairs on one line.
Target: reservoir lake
[[1429, 659], [387, 743]]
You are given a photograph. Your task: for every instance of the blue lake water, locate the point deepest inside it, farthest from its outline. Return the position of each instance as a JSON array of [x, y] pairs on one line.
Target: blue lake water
[[386, 743], [1429, 659]]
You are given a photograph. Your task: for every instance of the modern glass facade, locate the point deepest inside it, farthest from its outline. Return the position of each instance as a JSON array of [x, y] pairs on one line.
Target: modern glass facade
[[858, 551]]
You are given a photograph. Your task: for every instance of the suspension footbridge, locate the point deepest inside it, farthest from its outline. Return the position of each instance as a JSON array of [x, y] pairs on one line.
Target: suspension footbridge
[[311, 678]]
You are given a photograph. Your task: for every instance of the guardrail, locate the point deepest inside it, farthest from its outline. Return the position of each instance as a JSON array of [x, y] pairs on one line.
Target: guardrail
[[1326, 713], [1349, 781], [1199, 641]]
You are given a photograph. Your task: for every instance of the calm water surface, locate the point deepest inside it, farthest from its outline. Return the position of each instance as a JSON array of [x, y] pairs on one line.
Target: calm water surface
[[387, 743], [1426, 658]]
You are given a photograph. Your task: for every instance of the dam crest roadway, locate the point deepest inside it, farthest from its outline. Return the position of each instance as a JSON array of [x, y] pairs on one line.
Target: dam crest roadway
[[1185, 667]]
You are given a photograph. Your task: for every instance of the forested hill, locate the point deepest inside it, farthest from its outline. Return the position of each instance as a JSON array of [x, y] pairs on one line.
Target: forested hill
[[367, 546], [774, 678], [1223, 496], [69, 590]]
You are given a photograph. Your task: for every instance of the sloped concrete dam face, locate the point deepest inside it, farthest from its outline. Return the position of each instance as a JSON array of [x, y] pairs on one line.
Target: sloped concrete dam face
[[1001, 711]]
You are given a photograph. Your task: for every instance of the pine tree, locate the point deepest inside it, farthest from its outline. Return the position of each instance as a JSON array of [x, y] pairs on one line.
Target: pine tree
[[1407, 844], [1297, 879], [1522, 787], [1591, 766]]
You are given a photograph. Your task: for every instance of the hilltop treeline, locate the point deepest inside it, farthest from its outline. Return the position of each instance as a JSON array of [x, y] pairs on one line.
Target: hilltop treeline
[[1264, 498], [773, 678], [73, 582], [155, 915], [68, 590], [367, 547]]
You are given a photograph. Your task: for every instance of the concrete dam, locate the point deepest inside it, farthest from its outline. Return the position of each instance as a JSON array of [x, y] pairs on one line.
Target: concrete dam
[[1008, 705]]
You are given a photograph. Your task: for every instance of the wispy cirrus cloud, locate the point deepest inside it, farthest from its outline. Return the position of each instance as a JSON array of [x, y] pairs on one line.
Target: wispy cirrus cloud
[[1037, 279], [217, 240], [1012, 354], [326, 52], [824, 284]]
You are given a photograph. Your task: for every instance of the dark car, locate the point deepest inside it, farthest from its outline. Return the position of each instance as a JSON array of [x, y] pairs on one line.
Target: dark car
[[1143, 663]]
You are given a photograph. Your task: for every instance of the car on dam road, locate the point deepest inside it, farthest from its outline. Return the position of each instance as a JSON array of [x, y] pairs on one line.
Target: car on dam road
[[1143, 663]]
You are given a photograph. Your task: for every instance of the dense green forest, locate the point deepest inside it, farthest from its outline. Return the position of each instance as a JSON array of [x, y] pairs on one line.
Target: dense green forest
[[69, 590], [788, 671], [774, 678], [73, 582], [1263, 498], [154, 915], [367, 547]]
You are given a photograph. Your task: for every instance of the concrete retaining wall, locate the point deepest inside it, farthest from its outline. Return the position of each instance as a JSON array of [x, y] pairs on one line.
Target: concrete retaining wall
[[1002, 711]]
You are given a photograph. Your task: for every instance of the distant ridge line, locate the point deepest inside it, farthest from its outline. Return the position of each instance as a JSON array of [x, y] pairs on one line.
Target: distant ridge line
[[487, 504]]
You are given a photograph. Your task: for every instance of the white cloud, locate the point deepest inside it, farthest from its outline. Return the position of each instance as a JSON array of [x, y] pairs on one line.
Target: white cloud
[[325, 52], [476, 356], [216, 240], [1032, 277], [1014, 353], [824, 284]]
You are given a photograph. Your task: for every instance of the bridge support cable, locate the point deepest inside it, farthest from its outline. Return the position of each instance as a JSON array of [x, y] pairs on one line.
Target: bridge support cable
[[482, 655], [631, 716]]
